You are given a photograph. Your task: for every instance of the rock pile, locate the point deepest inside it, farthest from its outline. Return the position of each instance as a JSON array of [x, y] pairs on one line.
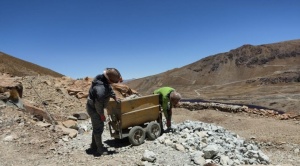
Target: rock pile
[[190, 143], [207, 143]]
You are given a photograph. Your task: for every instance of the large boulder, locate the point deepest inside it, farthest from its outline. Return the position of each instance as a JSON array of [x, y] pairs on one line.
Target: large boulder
[[80, 88], [11, 90]]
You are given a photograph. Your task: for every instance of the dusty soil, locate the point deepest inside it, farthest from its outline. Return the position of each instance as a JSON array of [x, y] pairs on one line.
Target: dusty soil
[[35, 145]]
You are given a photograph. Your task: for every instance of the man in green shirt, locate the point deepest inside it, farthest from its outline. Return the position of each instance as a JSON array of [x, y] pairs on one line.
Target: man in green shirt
[[168, 98]]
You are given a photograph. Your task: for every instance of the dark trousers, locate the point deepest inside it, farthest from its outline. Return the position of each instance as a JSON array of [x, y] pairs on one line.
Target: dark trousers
[[94, 109]]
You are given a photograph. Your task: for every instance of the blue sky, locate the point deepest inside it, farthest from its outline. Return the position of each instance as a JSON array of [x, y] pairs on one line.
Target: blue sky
[[80, 38]]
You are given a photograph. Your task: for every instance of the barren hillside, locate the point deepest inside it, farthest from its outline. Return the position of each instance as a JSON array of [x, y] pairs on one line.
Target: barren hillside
[[266, 75], [19, 67]]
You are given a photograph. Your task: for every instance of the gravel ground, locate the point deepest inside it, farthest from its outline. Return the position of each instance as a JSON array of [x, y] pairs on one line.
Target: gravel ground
[[36, 145]]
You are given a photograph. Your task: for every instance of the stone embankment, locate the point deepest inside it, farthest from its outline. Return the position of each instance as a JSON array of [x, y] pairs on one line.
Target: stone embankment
[[236, 108]]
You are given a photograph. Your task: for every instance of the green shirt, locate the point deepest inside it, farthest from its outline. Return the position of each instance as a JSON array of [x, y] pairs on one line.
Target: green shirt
[[164, 93]]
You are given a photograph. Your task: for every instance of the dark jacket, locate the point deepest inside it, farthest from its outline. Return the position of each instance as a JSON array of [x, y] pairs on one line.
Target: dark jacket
[[100, 89]]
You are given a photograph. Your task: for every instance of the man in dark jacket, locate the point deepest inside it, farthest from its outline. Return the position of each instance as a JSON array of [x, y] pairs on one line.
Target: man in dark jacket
[[99, 94]]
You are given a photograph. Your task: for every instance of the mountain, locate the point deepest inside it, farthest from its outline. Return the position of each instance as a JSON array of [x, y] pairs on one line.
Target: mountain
[[266, 75], [18, 67]]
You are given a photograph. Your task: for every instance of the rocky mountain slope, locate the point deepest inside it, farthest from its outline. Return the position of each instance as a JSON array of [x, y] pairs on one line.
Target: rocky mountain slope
[[266, 75]]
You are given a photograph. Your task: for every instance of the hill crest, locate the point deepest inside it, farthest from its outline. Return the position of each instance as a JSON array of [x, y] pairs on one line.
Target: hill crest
[[18, 67], [262, 75]]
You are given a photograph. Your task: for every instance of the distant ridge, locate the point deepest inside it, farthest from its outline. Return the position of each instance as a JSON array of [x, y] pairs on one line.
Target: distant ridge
[[247, 62], [18, 67], [265, 75]]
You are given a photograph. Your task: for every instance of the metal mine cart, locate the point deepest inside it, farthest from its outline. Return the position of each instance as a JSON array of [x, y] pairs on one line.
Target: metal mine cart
[[135, 118]]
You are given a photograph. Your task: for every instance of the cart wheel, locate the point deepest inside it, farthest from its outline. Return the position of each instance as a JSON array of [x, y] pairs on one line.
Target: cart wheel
[[136, 135], [153, 130]]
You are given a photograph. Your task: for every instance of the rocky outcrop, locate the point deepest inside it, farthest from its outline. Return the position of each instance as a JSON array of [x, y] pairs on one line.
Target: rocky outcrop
[[80, 88], [11, 90]]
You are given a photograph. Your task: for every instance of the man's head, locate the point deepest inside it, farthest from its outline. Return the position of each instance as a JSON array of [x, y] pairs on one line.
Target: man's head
[[175, 97], [112, 75]]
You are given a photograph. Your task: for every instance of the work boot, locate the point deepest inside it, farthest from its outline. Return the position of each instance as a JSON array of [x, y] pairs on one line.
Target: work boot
[[93, 146], [168, 123], [101, 150]]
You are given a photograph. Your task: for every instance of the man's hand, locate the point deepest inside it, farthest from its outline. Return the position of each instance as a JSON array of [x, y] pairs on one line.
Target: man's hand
[[118, 100], [102, 117]]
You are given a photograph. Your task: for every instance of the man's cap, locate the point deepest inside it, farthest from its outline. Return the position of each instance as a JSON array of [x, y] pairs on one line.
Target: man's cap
[[112, 74]]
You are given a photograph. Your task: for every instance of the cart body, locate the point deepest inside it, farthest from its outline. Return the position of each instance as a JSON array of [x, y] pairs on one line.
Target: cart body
[[133, 112]]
